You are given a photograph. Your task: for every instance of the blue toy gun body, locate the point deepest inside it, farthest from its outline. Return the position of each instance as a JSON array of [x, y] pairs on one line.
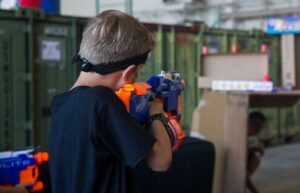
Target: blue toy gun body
[[168, 87], [21, 168]]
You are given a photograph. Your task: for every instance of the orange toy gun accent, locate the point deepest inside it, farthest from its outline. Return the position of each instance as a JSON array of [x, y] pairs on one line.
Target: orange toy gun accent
[[21, 168]]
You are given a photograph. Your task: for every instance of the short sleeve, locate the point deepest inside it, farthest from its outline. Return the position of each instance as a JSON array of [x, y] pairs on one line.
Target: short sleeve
[[123, 136]]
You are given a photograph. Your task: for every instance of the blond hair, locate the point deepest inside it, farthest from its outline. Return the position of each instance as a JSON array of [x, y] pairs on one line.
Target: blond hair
[[114, 36]]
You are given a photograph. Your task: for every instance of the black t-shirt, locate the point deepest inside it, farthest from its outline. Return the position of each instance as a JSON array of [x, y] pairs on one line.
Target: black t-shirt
[[93, 142]]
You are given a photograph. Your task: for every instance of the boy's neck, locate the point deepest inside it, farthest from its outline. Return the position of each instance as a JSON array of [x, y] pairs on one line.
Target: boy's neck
[[93, 79]]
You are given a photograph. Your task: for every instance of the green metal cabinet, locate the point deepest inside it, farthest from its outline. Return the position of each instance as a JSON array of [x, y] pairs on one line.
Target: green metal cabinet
[[15, 85], [36, 64]]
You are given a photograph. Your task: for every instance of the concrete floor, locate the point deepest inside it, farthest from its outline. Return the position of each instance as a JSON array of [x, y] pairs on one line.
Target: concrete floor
[[279, 171]]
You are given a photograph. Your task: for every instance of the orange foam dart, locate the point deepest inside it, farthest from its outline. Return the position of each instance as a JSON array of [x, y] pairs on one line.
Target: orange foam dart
[[124, 94], [41, 157], [141, 88]]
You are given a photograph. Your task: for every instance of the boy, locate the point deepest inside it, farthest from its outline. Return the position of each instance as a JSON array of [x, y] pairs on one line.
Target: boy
[[94, 142], [257, 120]]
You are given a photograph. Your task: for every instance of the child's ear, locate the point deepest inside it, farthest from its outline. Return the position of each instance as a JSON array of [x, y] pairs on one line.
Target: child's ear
[[129, 74]]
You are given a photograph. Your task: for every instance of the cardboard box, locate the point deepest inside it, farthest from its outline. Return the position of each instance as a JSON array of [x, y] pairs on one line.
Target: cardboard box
[[242, 66], [222, 119]]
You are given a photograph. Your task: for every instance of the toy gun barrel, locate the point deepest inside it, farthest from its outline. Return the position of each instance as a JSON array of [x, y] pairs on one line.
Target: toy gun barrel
[[21, 168]]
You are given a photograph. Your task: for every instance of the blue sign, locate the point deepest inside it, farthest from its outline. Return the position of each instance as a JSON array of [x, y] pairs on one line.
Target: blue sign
[[283, 25]]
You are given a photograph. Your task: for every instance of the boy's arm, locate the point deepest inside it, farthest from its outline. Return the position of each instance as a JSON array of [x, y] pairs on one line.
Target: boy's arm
[[131, 143], [160, 156]]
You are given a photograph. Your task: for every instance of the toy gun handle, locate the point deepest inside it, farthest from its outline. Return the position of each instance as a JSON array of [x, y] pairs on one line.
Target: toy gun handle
[[29, 176], [28, 179]]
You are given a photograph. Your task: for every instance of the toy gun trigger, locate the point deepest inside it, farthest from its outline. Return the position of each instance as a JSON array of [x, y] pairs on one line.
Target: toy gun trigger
[[28, 177]]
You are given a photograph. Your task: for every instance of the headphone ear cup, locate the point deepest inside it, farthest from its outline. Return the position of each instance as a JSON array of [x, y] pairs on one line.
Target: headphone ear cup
[[86, 67]]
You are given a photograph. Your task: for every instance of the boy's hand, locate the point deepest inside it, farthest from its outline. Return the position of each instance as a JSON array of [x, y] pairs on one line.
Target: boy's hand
[[155, 107], [16, 189], [21, 189]]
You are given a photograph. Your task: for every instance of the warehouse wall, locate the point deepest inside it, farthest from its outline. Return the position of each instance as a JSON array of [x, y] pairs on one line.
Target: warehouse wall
[[237, 14], [84, 8], [177, 48], [147, 11]]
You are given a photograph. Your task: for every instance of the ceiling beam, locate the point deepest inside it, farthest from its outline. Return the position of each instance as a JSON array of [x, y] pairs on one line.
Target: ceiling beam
[[259, 14]]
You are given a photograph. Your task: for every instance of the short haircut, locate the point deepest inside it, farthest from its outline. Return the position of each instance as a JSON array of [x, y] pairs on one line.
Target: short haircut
[[258, 115], [114, 36]]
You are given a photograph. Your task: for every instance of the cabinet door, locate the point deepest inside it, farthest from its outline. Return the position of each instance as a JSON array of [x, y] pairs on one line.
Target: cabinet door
[[15, 81]]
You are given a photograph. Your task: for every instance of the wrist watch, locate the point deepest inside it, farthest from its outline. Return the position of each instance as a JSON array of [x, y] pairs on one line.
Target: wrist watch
[[165, 121], [158, 116]]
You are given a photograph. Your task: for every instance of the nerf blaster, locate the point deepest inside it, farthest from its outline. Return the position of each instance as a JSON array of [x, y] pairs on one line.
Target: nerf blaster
[[166, 87], [21, 168]]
